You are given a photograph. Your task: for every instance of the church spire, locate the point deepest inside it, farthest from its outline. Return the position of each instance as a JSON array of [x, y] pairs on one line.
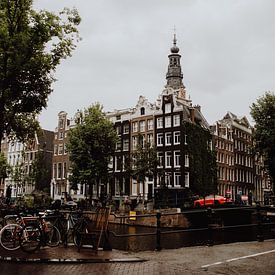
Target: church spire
[[174, 75]]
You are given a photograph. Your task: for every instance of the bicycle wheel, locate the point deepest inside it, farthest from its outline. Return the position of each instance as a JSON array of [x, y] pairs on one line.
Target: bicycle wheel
[[78, 233], [9, 236], [53, 236], [30, 238]]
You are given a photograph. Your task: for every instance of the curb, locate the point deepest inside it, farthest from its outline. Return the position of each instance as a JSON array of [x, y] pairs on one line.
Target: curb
[[70, 260]]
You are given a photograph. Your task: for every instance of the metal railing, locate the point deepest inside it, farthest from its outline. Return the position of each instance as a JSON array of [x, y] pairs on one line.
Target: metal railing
[[211, 228]]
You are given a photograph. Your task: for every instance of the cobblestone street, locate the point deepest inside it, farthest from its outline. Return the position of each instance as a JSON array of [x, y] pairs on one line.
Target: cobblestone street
[[237, 258]]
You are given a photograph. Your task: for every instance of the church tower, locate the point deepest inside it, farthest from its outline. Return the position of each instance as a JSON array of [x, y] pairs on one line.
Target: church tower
[[174, 75]]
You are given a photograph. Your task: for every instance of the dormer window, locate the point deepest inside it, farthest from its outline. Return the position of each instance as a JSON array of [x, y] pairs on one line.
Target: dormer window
[[167, 108], [142, 111]]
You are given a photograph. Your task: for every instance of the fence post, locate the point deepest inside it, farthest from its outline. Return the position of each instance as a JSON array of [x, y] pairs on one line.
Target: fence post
[[260, 236], [158, 232], [210, 241]]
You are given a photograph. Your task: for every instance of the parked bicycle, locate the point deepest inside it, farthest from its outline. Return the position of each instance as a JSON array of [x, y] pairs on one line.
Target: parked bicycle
[[9, 234], [37, 232]]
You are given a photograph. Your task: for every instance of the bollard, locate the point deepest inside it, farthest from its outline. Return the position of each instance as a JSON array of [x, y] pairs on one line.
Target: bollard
[[210, 241], [158, 232], [260, 235]]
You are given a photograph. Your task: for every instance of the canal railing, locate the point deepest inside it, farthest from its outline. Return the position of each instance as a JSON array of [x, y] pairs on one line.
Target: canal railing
[[263, 219]]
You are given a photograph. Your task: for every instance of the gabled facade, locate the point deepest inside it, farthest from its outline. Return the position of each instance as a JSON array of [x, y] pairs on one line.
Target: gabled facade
[[240, 173], [160, 124], [22, 157]]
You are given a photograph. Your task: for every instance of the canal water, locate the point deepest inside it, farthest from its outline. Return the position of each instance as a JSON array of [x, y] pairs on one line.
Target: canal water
[[227, 226]]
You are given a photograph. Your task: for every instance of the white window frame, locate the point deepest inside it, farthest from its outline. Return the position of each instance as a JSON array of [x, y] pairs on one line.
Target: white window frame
[[142, 126], [177, 175], [176, 137], [168, 159], [168, 122], [135, 127], [126, 129], [159, 122], [126, 144], [134, 142], [168, 108], [160, 157], [150, 124], [186, 179], [168, 179], [160, 138], [186, 160], [176, 120], [177, 158], [168, 138]]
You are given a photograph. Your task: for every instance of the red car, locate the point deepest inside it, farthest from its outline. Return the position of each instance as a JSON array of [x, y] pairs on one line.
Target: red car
[[212, 200]]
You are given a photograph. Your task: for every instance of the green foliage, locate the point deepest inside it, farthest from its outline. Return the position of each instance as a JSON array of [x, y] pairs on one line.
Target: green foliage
[[91, 145], [4, 167], [263, 113], [40, 174], [203, 167], [32, 44], [143, 162]]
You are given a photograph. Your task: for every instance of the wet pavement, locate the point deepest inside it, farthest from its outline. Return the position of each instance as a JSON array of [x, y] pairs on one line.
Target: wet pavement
[[234, 258]]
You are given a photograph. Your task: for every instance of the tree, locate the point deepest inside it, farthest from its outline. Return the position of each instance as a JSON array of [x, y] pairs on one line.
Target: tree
[[203, 165], [18, 176], [143, 163], [32, 44], [263, 113], [40, 173], [91, 144], [4, 167]]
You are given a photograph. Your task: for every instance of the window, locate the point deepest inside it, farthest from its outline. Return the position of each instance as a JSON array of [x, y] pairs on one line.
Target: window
[[160, 159], [185, 139], [168, 179], [159, 122], [150, 139], [177, 179], [160, 139], [135, 127], [118, 130], [186, 162], [142, 111], [118, 146], [142, 141], [59, 170], [176, 138], [168, 159], [65, 149], [118, 163], [126, 129], [60, 149], [54, 170], [168, 138], [61, 135], [134, 146], [176, 120], [125, 144], [118, 117], [61, 123], [64, 170], [117, 187], [186, 179], [167, 122], [167, 108], [142, 126], [177, 158], [150, 124]]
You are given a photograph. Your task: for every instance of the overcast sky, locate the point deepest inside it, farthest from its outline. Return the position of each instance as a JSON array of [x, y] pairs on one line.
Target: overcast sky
[[227, 48]]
